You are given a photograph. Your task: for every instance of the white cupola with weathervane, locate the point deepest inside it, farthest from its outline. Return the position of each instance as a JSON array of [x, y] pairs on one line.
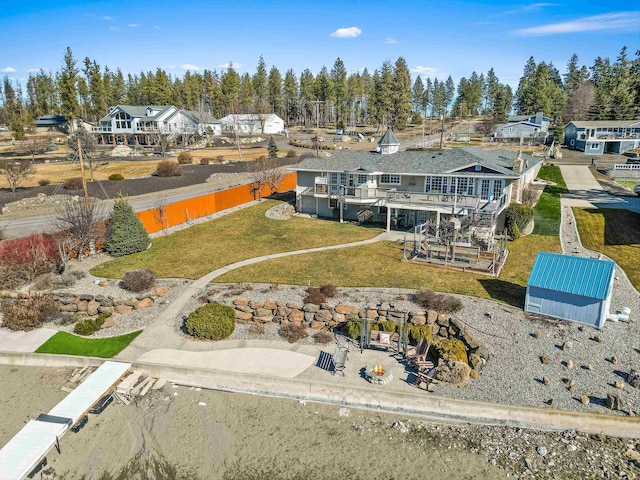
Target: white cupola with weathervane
[[388, 143]]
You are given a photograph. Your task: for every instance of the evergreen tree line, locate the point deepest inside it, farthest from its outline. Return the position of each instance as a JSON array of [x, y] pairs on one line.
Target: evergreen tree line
[[606, 90]]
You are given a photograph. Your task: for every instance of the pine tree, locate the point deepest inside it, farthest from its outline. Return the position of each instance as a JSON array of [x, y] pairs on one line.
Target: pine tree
[[401, 94], [260, 89], [67, 84], [338, 89], [275, 91], [272, 148], [125, 232]]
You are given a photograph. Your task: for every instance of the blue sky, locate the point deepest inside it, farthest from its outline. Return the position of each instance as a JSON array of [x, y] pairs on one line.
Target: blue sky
[[437, 38]]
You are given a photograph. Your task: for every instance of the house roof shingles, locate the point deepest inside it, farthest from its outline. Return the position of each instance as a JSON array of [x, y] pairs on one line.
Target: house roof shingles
[[417, 162], [389, 138], [607, 123]]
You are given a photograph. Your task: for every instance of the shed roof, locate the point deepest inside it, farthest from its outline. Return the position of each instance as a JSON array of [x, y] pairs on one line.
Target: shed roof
[[389, 138], [586, 277]]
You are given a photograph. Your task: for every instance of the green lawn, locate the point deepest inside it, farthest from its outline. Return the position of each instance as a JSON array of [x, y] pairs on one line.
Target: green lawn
[[379, 264], [68, 344], [546, 214], [628, 184], [247, 233], [616, 233]]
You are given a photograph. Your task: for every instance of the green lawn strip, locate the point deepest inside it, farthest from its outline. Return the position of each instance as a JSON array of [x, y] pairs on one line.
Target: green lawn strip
[[546, 213], [628, 184], [247, 233], [67, 344], [614, 232]]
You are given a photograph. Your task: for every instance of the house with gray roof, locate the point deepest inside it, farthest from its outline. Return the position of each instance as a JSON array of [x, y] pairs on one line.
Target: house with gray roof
[[138, 123], [603, 136], [527, 127], [403, 189]]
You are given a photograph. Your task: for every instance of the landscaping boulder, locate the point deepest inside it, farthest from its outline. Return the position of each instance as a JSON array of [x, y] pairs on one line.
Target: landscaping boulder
[[242, 316], [296, 316], [323, 316], [310, 307], [145, 303], [432, 316], [346, 309], [614, 402], [634, 378]]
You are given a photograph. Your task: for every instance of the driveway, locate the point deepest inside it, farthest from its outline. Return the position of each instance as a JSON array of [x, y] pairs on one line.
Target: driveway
[[586, 192]]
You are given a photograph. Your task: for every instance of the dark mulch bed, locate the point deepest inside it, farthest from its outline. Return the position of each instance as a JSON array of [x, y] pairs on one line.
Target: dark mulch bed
[[191, 175]]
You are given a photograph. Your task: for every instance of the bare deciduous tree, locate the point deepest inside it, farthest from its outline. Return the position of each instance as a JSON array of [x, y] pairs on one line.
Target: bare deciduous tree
[[34, 147], [79, 227], [580, 102], [265, 172], [16, 171], [88, 145], [160, 213]]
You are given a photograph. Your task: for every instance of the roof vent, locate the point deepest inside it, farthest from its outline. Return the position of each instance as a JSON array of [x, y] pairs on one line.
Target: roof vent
[[478, 167]]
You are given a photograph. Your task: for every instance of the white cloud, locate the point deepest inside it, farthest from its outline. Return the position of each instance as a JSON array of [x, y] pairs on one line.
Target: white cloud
[[349, 32], [106, 18], [114, 29], [607, 21], [425, 71], [190, 66], [390, 40], [171, 67], [233, 65], [8, 70], [529, 8], [134, 25]]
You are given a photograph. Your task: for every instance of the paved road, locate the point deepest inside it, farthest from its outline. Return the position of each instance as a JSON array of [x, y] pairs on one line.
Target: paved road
[[586, 192], [26, 223]]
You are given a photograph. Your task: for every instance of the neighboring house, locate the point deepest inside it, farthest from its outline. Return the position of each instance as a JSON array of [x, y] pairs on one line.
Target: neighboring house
[[409, 188], [571, 288], [51, 121], [525, 127], [140, 122], [253, 123], [603, 136]]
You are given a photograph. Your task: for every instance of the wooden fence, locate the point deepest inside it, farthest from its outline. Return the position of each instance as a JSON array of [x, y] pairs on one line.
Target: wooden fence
[[165, 216]]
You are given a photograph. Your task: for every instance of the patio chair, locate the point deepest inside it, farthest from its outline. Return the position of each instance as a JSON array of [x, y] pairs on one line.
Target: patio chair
[[425, 378], [419, 352], [340, 356]]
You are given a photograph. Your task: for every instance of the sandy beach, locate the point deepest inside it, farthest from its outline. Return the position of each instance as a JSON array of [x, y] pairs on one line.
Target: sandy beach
[[186, 433]]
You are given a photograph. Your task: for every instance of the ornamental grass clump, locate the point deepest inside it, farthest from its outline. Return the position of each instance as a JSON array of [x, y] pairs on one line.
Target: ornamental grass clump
[[292, 332], [27, 314], [437, 301], [138, 280], [125, 232], [213, 321]]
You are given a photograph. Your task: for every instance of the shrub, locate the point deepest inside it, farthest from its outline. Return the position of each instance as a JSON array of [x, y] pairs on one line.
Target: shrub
[[30, 313], [116, 177], [291, 154], [353, 328], [517, 215], [90, 325], [529, 196], [212, 321], [74, 183], [43, 182], [453, 372], [23, 259], [329, 290], [138, 280], [219, 158], [385, 326], [208, 145], [185, 158], [437, 301], [125, 232], [292, 332], [450, 349], [416, 332], [323, 337], [167, 168], [315, 296], [205, 161]]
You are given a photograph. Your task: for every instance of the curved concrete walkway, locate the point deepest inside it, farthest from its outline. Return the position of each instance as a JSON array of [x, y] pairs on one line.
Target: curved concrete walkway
[[162, 334]]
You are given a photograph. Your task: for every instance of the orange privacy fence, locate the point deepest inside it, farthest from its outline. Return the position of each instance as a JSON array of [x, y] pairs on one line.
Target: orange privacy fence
[[158, 218]]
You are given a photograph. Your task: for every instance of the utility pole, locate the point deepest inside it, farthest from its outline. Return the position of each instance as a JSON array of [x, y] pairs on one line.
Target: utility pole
[[442, 129], [83, 177], [317, 104]]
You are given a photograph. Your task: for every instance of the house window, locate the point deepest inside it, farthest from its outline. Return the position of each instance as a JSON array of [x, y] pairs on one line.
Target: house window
[[333, 203], [452, 185], [362, 179], [497, 189], [434, 184], [484, 189], [390, 179], [463, 185], [333, 178], [595, 146]]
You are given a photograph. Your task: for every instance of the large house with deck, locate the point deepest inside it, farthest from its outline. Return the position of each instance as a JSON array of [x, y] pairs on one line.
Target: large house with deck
[[603, 136], [526, 127], [403, 189], [138, 124]]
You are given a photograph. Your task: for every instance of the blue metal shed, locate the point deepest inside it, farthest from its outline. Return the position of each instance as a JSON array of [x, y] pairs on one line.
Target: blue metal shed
[[570, 288]]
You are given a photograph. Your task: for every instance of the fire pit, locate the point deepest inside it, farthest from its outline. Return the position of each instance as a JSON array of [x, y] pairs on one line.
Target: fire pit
[[377, 374]]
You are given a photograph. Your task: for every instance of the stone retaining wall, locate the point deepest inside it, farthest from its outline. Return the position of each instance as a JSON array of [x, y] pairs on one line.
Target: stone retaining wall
[[326, 316], [83, 306], [625, 175]]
